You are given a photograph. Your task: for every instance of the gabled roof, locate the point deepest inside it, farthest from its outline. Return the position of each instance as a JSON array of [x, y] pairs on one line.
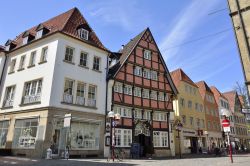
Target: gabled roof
[[126, 51], [231, 97], [179, 75], [217, 94], [66, 23], [203, 88]]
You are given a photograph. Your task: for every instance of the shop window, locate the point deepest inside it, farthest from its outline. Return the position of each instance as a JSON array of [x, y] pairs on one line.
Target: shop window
[[4, 125], [123, 137], [160, 139], [25, 133]]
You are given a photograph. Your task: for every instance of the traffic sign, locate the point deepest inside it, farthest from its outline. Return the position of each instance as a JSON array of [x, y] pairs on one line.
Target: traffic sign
[[225, 123]]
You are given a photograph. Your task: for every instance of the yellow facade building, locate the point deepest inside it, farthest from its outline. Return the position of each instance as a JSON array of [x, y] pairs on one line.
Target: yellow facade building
[[189, 110]]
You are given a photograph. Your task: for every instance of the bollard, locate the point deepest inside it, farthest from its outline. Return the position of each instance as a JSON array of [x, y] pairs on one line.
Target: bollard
[[49, 154]]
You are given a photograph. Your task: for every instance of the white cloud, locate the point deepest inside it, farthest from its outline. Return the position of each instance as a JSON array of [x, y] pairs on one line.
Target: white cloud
[[185, 23], [126, 15]]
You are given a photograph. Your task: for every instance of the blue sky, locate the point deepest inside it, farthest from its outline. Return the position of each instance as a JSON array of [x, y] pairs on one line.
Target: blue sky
[[214, 59]]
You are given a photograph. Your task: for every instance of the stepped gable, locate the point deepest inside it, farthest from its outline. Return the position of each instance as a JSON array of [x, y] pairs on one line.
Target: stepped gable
[[179, 75], [66, 23]]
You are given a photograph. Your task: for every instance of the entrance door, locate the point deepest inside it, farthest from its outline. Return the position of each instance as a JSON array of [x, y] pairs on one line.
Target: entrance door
[[55, 144], [141, 138], [194, 145]]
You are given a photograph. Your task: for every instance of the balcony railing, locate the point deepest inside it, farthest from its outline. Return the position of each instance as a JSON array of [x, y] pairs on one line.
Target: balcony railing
[[31, 99], [91, 102], [8, 103], [67, 98], [80, 100]]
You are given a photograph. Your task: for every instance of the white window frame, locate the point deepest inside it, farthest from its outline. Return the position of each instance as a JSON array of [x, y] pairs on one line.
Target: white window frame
[[118, 87], [83, 59], [92, 95], [138, 71], [9, 96], [147, 54], [32, 58], [145, 93], [128, 89], [153, 95], [125, 137], [44, 54], [22, 62], [32, 91], [12, 65], [160, 139], [137, 114], [147, 74], [154, 75], [69, 54], [83, 33], [137, 92], [96, 63]]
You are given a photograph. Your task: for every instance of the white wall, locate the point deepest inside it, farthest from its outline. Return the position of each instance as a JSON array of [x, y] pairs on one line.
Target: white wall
[[44, 71], [73, 71]]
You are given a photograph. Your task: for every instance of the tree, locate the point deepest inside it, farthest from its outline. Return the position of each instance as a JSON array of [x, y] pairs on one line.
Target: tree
[[241, 89]]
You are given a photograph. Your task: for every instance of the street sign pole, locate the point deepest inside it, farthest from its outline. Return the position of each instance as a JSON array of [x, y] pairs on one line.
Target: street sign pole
[[230, 147]]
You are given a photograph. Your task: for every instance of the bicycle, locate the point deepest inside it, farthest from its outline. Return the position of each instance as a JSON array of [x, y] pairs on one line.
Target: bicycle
[[118, 155]]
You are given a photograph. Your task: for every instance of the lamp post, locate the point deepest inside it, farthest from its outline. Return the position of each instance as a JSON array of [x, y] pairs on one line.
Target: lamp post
[[113, 118], [206, 133], [226, 128], [178, 128]]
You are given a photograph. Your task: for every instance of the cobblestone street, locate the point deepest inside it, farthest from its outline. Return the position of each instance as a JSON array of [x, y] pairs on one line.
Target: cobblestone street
[[239, 160]]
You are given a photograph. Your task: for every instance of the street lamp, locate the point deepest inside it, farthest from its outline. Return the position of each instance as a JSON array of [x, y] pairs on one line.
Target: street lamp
[[113, 118], [226, 113], [206, 133], [178, 128]]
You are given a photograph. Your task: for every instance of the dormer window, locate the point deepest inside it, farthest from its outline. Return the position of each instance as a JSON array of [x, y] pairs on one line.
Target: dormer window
[[83, 33], [9, 45], [25, 40], [39, 34]]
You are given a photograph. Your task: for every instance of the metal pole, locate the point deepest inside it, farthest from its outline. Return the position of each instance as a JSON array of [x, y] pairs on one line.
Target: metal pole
[[230, 148], [113, 141], [179, 143]]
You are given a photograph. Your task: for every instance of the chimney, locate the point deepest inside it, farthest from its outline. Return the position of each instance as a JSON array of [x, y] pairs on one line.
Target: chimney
[[122, 47]]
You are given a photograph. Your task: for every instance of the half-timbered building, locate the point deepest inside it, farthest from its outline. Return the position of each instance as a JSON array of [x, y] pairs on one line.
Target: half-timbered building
[[140, 89]]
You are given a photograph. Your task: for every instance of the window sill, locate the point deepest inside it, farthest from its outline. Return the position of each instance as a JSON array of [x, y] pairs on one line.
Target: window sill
[[72, 63], [27, 104], [77, 105], [20, 69], [97, 71], [9, 107], [11, 72], [41, 62], [85, 67], [30, 66]]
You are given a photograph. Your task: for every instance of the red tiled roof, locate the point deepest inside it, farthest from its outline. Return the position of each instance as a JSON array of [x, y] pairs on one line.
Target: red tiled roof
[[217, 94], [203, 88], [66, 23], [179, 75]]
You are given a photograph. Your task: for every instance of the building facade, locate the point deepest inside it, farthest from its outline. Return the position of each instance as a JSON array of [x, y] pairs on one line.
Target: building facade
[[212, 118], [240, 15], [188, 107], [240, 126], [47, 77], [140, 89]]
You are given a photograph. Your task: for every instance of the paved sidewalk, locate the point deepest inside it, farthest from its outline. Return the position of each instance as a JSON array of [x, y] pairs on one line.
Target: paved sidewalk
[[239, 160]]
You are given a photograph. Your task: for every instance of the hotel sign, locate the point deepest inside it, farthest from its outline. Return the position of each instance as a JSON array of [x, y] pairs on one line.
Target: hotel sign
[[246, 110]]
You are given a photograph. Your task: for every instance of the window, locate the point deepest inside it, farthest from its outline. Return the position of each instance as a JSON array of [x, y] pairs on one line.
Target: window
[[147, 54], [117, 110], [123, 137], [85, 135], [92, 96], [12, 65], [184, 119], [118, 87], [145, 93], [128, 89], [159, 116], [202, 123], [80, 93], [153, 95], [4, 125], [69, 54], [161, 96], [182, 102], [68, 91], [147, 115], [96, 63], [190, 104], [83, 59], [137, 114], [25, 40], [191, 121], [160, 139], [126, 112], [32, 91], [196, 107], [44, 54], [25, 134], [154, 75], [32, 58], [146, 73], [201, 108], [137, 92], [138, 71], [198, 123], [9, 96], [83, 33], [39, 34], [21, 64]]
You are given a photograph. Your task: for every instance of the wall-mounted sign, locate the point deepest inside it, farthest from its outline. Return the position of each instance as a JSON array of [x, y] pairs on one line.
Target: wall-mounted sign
[[67, 120]]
